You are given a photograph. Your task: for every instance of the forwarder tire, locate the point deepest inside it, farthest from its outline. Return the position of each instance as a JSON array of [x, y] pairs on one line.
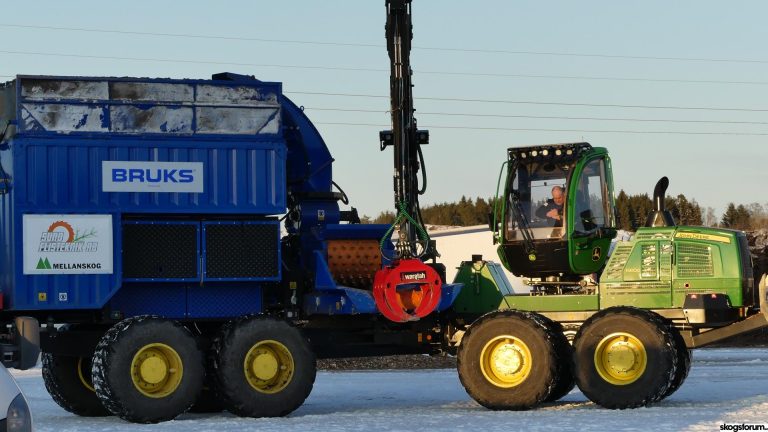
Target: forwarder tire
[[565, 380], [509, 360], [68, 381], [683, 364], [147, 369], [263, 367], [625, 357]]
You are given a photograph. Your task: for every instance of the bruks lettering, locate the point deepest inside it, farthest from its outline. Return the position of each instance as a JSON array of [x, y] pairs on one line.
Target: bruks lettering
[[138, 175]]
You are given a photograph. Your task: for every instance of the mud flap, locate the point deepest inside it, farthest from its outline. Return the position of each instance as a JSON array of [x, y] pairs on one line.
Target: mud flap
[[26, 339]]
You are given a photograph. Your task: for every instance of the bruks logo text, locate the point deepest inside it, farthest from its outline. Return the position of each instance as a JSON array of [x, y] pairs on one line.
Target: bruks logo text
[[150, 175]]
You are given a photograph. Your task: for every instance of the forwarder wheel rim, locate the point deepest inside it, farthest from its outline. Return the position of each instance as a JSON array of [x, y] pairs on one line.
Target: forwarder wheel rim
[[620, 358], [506, 361], [84, 375], [268, 367], [156, 370]]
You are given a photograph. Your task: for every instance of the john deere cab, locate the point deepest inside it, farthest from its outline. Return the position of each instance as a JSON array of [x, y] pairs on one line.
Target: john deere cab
[[557, 212]]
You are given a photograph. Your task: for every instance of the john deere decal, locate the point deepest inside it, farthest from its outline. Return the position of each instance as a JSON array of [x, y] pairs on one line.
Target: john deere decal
[[67, 244]]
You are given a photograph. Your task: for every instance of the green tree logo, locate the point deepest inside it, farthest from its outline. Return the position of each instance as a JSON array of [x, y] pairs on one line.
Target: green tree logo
[[43, 264]]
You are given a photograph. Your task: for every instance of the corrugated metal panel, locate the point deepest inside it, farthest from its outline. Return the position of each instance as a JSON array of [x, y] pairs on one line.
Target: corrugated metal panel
[[238, 177]]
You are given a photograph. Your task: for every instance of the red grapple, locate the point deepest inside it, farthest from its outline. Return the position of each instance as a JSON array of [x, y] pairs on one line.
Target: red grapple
[[407, 291]]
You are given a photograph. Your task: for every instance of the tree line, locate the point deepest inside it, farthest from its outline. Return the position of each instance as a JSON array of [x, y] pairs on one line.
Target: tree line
[[631, 212]]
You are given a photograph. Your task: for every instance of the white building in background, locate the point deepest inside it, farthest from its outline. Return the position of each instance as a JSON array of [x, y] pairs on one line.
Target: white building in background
[[459, 244]]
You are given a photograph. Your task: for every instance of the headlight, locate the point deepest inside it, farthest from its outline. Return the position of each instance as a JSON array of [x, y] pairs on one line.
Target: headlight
[[19, 419]]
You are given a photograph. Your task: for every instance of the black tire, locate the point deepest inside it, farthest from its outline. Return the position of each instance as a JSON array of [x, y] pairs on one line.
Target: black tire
[[492, 335], [273, 394], [565, 381], [117, 354], [683, 364], [68, 381], [633, 385]]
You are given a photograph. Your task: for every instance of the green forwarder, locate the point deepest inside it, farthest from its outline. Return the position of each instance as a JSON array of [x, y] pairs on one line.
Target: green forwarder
[[631, 311]]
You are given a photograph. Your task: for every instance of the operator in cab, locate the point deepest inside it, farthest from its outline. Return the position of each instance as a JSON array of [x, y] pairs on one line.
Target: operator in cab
[[552, 210]]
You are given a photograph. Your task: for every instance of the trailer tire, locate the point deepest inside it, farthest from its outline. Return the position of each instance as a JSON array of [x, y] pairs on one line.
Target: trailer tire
[[683, 364], [68, 381], [263, 367], [508, 360], [147, 369], [625, 357]]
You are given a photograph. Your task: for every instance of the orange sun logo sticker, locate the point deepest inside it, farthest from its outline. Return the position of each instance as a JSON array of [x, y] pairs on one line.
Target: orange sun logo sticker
[[66, 226]]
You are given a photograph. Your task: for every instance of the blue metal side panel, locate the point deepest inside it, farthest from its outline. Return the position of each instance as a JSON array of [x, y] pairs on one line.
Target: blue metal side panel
[[8, 234], [187, 301], [448, 295], [53, 292], [65, 175], [224, 301], [355, 231], [168, 300]]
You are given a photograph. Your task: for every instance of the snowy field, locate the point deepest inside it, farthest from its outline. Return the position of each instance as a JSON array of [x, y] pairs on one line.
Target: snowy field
[[725, 386]]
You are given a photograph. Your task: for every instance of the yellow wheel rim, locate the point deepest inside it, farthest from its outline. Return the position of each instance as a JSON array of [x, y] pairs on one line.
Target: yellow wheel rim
[[268, 366], [506, 361], [156, 370], [84, 375], [620, 358]]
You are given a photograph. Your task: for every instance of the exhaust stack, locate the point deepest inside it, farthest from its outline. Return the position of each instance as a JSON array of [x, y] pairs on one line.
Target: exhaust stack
[[660, 217]]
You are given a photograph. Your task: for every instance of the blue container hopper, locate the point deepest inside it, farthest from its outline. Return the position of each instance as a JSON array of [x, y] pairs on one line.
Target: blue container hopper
[[182, 222]]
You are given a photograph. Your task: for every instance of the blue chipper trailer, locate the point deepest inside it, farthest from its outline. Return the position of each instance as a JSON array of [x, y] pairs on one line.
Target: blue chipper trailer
[[181, 244]]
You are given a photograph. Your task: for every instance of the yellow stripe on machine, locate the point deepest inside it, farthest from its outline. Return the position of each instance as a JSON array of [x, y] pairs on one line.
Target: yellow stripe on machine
[[698, 236]]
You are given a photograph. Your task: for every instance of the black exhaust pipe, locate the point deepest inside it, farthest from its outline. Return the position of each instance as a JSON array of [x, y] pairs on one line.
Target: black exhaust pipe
[[660, 217]]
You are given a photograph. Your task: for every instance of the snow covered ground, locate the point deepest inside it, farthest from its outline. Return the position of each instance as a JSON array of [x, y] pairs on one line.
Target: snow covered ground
[[725, 386]]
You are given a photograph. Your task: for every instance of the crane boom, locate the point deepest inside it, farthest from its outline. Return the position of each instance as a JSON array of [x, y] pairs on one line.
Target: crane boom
[[407, 289], [405, 137]]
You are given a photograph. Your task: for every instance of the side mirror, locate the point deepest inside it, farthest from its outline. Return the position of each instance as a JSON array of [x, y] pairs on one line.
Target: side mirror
[[586, 220]]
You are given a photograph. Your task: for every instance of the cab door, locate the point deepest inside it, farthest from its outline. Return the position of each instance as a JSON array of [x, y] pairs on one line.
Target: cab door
[[591, 222]]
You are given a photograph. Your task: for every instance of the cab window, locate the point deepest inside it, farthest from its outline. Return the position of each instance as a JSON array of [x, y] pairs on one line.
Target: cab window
[[531, 195], [592, 201]]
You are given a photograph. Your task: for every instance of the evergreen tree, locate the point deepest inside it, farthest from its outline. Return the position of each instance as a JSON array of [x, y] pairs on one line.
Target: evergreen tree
[[623, 211], [736, 217], [640, 206]]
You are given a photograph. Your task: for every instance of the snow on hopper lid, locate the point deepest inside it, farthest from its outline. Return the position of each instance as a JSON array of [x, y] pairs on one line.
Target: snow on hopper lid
[[144, 106]]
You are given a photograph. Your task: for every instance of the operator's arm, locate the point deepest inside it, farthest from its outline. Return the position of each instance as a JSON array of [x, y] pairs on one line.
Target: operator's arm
[[542, 211]]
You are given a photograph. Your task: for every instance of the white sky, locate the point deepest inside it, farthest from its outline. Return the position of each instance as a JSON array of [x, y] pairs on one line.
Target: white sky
[[713, 169]]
